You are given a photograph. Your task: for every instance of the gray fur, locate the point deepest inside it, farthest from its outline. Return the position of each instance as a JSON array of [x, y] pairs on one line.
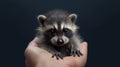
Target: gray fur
[[59, 19]]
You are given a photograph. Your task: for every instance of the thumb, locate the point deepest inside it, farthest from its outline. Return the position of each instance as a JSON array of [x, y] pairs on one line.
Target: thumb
[[84, 48]]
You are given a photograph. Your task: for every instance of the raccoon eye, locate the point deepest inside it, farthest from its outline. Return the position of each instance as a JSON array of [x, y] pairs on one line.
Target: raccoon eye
[[52, 30], [49, 33], [65, 30]]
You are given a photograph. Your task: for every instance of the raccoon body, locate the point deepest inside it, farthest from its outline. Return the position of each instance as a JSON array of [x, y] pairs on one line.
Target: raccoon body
[[58, 33]]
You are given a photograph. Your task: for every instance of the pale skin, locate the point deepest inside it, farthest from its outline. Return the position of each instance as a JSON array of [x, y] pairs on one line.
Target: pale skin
[[37, 57]]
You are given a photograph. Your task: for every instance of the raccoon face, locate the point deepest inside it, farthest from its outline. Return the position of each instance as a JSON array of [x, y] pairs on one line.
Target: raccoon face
[[57, 29], [58, 37]]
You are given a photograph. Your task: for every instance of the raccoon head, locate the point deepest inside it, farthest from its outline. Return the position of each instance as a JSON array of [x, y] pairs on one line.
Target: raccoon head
[[57, 28]]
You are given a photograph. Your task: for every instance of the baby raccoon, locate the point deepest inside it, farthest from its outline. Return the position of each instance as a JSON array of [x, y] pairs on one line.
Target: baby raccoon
[[58, 34]]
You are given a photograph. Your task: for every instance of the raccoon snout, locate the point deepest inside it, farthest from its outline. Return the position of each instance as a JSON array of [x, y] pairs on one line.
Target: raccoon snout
[[60, 41]]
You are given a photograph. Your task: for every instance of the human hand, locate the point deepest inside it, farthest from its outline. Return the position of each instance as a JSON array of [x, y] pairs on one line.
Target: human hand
[[37, 57]]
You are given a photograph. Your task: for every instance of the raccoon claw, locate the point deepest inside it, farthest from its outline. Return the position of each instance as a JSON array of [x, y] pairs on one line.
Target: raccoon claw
[[76, 52], [57, 55]]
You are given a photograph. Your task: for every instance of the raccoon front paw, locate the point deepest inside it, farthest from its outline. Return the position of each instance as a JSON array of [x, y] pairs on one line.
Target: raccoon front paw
[[57, 55], [76, 52]]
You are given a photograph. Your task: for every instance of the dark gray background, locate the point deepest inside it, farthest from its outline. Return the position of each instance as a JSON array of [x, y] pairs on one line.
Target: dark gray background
[[98, 19]]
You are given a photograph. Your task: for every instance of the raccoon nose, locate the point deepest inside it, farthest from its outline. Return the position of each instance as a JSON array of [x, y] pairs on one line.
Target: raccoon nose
[[60, 41]]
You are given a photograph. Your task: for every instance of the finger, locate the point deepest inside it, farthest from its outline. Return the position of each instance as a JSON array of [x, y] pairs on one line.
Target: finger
[[33, 48], [35, 52], [30, 47], [84, 48], [35, 42]]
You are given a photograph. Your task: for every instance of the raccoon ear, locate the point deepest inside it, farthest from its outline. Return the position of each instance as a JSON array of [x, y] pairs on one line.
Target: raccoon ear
[[41, 19], [73, 17]]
